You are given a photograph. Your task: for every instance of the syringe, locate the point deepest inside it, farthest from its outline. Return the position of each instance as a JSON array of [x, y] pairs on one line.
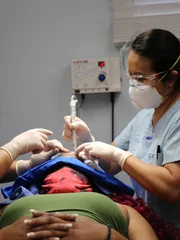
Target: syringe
[[73, 103]]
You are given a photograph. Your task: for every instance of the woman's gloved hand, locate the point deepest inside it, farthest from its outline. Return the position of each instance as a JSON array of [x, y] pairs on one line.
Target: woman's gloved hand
[[81, 128], [52, 148], [55, 144], [34, 140], [103, 151]]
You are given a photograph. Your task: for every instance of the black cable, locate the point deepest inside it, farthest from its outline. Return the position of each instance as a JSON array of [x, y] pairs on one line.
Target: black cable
[[112, 115], [80, 105], [82, 102]]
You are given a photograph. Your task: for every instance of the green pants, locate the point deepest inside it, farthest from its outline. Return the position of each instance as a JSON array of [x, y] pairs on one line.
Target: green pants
[[88, 204]]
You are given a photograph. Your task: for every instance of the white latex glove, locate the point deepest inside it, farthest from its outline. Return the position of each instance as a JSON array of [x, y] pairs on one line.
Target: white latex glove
[[82, 130], [34, 140], [55, 144], [53, 147], [103, 151], [93, 164]]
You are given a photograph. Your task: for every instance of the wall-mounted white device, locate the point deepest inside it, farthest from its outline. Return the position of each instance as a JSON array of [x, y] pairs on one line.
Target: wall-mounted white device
[[95, 75]]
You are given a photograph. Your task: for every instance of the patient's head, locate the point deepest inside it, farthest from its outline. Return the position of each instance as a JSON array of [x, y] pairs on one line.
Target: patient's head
[[90, 163], [71, 154]]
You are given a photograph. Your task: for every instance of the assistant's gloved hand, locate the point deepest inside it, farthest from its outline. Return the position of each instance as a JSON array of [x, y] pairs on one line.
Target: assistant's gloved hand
[[52, 148], [55, 144], [103, 151], [34, 140], [82, 130]]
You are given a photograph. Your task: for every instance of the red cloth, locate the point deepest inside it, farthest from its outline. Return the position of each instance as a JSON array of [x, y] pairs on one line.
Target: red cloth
[[65, 180]]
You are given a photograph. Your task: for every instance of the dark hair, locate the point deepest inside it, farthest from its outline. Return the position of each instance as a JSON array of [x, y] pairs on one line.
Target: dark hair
[[162, 48]]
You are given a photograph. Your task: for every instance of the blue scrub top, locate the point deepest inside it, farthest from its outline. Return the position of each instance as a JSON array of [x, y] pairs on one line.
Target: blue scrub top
[[157, 146]]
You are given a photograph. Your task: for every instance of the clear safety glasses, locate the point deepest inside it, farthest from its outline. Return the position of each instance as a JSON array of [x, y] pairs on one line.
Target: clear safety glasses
[[141, 80]]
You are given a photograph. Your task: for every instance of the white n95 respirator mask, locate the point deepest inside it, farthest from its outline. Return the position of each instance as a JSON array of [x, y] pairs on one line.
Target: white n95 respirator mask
[[144, 97]]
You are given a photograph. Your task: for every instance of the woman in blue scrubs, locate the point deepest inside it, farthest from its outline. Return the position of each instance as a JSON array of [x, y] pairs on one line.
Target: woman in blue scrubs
[[148, 148]]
